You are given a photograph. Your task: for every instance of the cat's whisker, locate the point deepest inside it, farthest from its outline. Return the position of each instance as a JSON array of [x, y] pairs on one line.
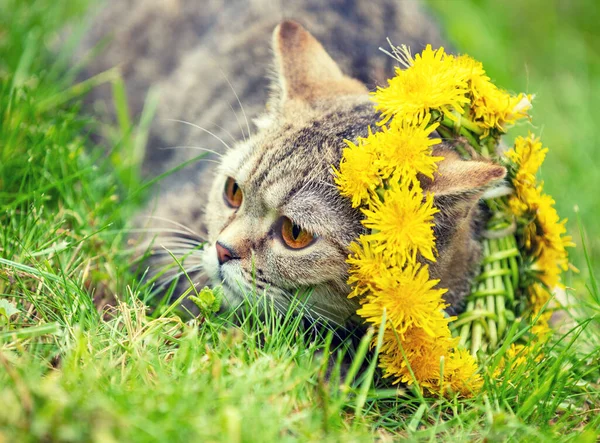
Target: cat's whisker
[[317, 323], [233, 139], [239, 124], [239, 102], [189, 247], [315, 316], [171, 277], [176, 223], [331, 185], [223, 142], [157, 230], [322, 314], [155, 254], [179, 253], [196, 148], [166, 242]]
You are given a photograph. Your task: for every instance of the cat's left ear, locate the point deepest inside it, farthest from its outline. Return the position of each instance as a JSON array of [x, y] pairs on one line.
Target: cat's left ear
[[306, 72]]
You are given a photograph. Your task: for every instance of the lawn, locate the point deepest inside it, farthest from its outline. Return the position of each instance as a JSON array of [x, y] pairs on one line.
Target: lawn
[[69, 372]]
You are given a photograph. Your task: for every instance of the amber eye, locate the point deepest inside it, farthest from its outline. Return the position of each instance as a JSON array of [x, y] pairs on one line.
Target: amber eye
[[294, 236], [233, 193]]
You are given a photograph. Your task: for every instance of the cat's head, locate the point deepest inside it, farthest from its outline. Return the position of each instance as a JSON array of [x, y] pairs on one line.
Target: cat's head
[[276, 221]]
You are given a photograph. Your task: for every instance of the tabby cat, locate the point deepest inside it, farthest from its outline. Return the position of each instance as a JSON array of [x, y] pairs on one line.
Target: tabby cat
[[264, 216]]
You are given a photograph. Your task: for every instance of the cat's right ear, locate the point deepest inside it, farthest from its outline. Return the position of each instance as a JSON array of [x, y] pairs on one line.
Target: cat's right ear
[[463, 179], [305, 70]]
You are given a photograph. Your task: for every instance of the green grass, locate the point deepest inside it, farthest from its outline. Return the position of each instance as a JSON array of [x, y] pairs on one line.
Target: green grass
[[71, 373]]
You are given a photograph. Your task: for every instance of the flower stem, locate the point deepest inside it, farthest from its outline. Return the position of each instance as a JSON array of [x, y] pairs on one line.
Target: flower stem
[[477, 333], [490, 299], [466, 328], [472, 141], [470, 125], [462, 129], [514, 265], [499, 282]]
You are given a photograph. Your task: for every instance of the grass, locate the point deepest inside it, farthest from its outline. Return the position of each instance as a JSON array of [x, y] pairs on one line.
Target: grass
[[69, 372]]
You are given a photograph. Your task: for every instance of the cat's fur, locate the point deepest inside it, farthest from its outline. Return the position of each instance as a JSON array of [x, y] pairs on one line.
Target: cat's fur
[[284, 167]]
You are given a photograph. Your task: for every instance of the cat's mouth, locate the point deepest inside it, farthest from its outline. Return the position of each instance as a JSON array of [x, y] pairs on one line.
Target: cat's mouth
[[318, 302], [228, 275]]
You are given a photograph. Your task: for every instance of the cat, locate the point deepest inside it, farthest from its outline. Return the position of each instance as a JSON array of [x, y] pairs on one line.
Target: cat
[[266, 216]]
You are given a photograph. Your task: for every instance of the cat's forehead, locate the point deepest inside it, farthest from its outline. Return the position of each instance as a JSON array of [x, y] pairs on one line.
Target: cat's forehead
[[294, 157], [289, 163]]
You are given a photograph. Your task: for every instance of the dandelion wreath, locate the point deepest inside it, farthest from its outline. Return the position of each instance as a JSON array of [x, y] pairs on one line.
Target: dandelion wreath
[[523, 258]]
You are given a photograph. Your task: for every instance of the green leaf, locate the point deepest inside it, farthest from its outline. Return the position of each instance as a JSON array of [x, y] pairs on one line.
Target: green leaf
[[8, 309], [208, 300]]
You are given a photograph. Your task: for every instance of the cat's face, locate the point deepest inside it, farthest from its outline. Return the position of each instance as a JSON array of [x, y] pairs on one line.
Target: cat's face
[[275, 219]]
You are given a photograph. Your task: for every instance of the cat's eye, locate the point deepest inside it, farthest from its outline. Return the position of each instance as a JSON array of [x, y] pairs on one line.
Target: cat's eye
[[232, 193], [294, 236]]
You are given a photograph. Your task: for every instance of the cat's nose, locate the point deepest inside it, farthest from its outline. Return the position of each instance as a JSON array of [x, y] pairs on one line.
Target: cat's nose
[[224, 253]]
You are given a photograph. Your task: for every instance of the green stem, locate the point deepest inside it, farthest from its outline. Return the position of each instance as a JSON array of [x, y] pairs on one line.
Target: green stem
[[472, 141], [490, 299], [468, 317], [499, 282], [496, 256], [512, 260], [477, 334], [466, 328], [484, 151], [508, 278], [463, 122], [444, 132], [485, 292], [464, 127]]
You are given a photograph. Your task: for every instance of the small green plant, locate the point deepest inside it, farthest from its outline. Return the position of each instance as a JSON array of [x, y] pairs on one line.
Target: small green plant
[[208, 300]]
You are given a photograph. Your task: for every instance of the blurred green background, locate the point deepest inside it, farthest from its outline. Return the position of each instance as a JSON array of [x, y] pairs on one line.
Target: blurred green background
[[550, 48]]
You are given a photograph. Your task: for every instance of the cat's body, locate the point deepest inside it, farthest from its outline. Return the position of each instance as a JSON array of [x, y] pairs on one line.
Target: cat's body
[[270, 212], [203, 56]]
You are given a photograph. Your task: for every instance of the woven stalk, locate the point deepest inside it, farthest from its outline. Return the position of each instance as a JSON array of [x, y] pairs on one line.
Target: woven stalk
[[490, 306]]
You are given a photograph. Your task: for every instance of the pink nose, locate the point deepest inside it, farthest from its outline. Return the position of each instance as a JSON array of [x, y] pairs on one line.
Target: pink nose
[[224, 254]]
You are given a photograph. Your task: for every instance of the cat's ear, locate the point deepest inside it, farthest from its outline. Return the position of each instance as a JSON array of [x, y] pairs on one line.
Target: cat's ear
[[463, 179], [305, 71]]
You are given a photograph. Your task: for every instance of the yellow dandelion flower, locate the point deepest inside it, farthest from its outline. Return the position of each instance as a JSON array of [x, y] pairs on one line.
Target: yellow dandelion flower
[[422, 354], [538, 298], [379, 174], [406, 150], [461, 374], [365, 264], [358, 176], [515, 355], [518, 354], [528, 155], [551, 263], [494, 108], [408, 296], [469, 69], [541, 328], [491, 107], [544, 234], [430, 82], [402, 224], [550, 228], [417, 351]]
